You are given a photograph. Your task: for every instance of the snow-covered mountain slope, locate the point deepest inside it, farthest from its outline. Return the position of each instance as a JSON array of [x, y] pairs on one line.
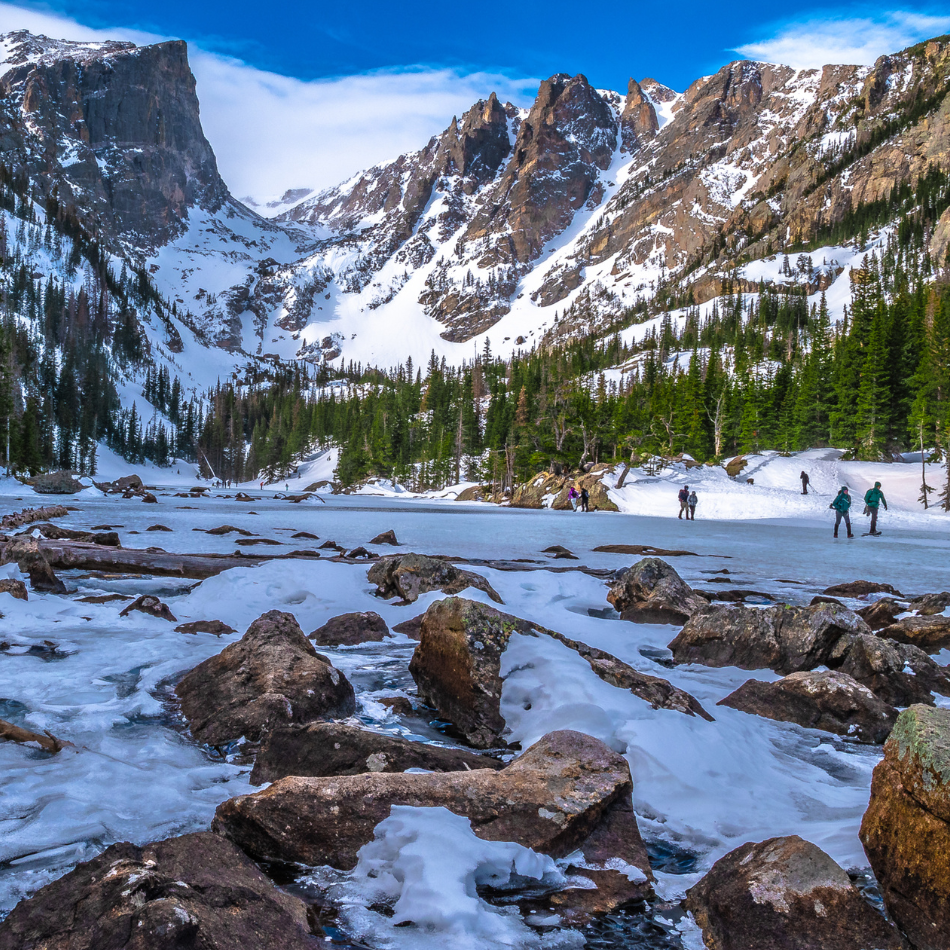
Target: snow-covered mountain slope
[[520, 227]]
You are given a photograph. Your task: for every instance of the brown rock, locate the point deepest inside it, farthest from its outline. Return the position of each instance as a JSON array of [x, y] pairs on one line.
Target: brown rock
[[410, 628], [103, 598], [639, 550], [360, 552], [55, 483], [785, 893], [827, 700], [930, 633], [149, 499], [906, 829], [270, 677], [408, 575], [216, 627], [129, 483], [351, 629], [882, 613], [860, 589], [158, 527], [198, 891], [652, 592], [14, 588], [148, 604], [227, 529], [387, 537], [458, 661], [784, 639], [930, 604], [29, 557], [332, 748], [553, 798], [305, 534]]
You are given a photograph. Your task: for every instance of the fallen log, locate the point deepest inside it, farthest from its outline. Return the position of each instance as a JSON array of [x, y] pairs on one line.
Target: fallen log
[[81, 556], [47, 741], [18, 519]]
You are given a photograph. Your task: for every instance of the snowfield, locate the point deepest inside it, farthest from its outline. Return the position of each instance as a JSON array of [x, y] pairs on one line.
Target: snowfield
[[104, 683]]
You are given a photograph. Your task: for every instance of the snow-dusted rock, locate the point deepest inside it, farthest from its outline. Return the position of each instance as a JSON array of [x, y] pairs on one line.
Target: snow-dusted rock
[[652, 592], [785, 892], [408, 575], [272, 676]]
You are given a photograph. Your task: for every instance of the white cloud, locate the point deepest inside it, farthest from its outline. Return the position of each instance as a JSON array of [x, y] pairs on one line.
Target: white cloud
[[813, 43], [273, 132]]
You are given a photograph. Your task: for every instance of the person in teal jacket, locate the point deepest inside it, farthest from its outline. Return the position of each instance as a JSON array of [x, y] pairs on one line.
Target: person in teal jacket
[[841, 504], [874, 498]]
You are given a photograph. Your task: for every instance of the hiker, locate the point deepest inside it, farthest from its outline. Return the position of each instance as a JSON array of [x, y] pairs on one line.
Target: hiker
[[805, 480], [692, 505], [841, 504], [585, 499], [262, 486], [572, 497], [684, 501], [873, 498]]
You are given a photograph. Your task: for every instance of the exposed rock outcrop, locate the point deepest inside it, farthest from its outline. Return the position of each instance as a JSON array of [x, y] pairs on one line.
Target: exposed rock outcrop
[[272, 676], [55, 483], [151, 605], [197, 891], [333, 748], [26, 553], [906, 829], [826, 700], [785, 892], [351, 629], [408, 575], [652, 592]]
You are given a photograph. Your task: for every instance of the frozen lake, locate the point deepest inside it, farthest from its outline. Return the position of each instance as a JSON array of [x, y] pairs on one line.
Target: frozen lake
[[104, 682]]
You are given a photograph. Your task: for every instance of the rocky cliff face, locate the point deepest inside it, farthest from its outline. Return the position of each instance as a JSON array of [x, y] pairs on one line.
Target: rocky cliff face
[[113, 130]]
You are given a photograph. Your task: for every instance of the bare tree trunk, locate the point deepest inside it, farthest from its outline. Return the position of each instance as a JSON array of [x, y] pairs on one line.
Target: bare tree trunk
[[923, 467]]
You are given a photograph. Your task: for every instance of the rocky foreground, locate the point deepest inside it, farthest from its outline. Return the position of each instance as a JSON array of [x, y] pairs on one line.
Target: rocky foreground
[[278, 704]]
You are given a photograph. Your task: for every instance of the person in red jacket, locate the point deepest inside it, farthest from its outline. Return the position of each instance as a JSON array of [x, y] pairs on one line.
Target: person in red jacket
[[684, 501]]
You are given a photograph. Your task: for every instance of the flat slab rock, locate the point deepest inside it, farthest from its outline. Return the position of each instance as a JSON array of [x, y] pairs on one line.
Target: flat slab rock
[[217, 628], [861, 589], [408, 575], [553, 798], [931, 633], [785, 893], [196, 891], [351, 629], [906, 828], [333, 748], [826, 700], [272, 676]]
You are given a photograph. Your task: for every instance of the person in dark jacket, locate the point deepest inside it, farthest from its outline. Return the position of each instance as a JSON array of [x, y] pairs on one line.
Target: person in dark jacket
[[874, 498], [684, 501], [841, 504], [805, 480], [692, 505], [585, 499]]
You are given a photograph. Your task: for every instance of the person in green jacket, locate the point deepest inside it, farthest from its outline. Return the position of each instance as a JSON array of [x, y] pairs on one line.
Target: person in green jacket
[[873, 499], [841, 504]]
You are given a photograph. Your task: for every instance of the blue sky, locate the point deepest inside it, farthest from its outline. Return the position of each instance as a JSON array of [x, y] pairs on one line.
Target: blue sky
[[307, 93]]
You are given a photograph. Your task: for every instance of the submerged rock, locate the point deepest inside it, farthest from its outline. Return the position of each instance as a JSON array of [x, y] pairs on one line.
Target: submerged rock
[[555, 798], [830, 701], [351, 629], [333, 748], [408, 575], [860, 589], [906, 828], [785, 893], [197, 891], [652, 592], [272, 676]]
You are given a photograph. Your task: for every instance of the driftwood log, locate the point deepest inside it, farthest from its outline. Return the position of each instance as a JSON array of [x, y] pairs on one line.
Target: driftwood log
[[18, 519], [11, 733]]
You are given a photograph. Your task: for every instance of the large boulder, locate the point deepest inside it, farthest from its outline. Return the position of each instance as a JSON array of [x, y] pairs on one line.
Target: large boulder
[[860, 589], [408, 575], [906, 828], [929, 604], [272, 676], [785, 894], [351, 629], [567, 792], [652, 592], [826, 700], [26, 552], [882, 613], [55, 483], [457, 668], [333, 748], [198, 891], [781, 638], [898, 673], [929, 632]]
